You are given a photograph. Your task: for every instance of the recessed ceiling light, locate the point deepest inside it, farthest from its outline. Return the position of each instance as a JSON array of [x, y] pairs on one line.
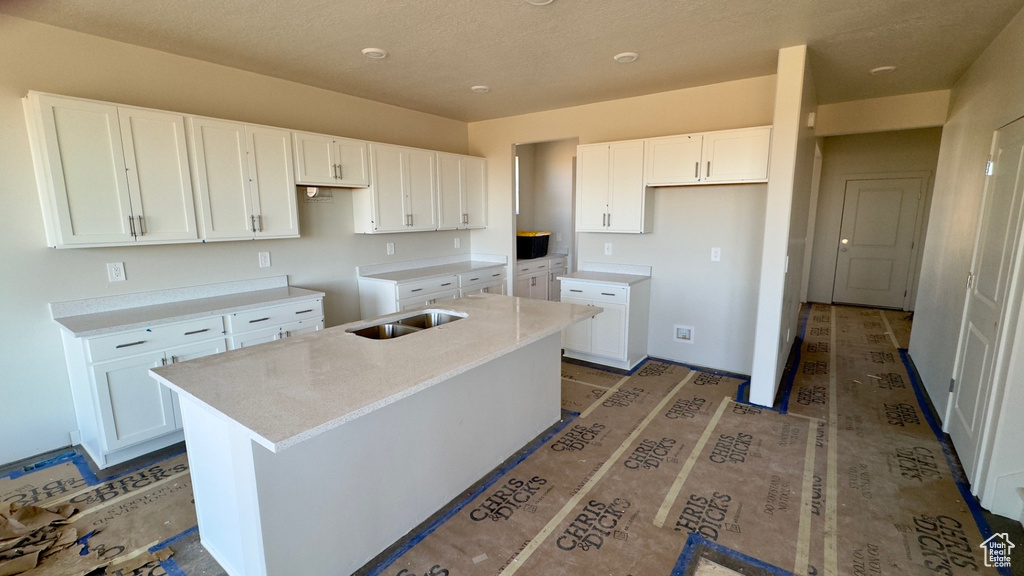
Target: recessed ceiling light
[[375, 53], [539, 2], [481, 89], [882, 70], [626, 57]]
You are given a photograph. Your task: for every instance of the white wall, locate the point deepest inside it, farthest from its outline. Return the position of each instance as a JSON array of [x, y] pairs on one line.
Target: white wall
[[845, 157], [989, 95], [37, 408], [554, 181], [718, 300], [903, 112], [791, 170]]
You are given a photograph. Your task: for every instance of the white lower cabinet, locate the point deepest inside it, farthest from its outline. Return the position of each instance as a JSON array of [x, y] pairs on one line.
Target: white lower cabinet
[[537, 278], [616, 336], [124, 413], [387, 293]]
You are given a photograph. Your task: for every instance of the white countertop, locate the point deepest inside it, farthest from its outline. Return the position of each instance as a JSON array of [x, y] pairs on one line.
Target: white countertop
[[95, 323], [434, 271], [605, 278], [291, 390]]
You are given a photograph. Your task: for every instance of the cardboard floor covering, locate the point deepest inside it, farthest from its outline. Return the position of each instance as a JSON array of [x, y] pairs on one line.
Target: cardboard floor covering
[[117, 522], [848, 476]]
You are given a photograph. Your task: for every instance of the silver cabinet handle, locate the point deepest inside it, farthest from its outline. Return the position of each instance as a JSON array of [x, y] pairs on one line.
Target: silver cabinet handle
[[174, 360], [130, 344], [708, 173], [410, 219], [696, 169], [574, 290], [131, 225], [163, 361], [190, 333], [446, 284], [335, 167], [264, 319], [142, 225], [609, 219], [304, 311], [259, 222], [533, 281], [474, 279], [416, 290], [607, 294], [604, 218], [252, 222]]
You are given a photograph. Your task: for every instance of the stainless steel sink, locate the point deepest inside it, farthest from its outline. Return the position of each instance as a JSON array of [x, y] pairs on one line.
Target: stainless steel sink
[[414, 322], [429, 319], [385, 331]]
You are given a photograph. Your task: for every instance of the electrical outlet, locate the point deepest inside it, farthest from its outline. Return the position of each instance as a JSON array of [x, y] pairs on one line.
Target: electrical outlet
[[264, 259], [391, 248], [716, 254], [607, 248], [115, 272], [684, 334], [458, 242], [558, 236]]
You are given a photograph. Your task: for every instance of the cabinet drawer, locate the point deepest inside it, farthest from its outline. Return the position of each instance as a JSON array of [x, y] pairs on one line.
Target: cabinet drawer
[[434, 299], [559, 262], [134, 342], [595, 292], [274, 315], [489, 275], [533, 266], [426, 286]]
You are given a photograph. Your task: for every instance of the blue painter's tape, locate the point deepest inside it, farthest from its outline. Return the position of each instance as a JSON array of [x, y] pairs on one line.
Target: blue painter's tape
[[798, 343], [494, 477], [694, 543], [173, 539], [84, 543], [85, 471], [49, 463], [743, 392], [955, 469], [172, 568]]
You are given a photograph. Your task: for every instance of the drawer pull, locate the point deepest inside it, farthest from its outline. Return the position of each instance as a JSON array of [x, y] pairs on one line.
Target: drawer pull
[[541, 266], [130, 344], [304, 311], [417, 290], [446, 284], [197, 331], [264, 319], [495, 274], [608, 294], [474, 279], [574, 290]]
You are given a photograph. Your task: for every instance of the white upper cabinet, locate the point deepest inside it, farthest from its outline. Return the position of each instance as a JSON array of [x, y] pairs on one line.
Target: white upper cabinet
[[330, 161], [109, 175], [673, 160], [403, 194], [245, 178], [462, 191], [610, 192], [737, 155]]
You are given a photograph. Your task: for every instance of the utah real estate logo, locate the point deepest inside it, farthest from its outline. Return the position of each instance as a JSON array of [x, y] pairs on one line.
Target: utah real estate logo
[[997, 550]]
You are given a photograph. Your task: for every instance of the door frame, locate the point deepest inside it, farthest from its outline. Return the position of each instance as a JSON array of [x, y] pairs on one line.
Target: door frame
[[920, 226]]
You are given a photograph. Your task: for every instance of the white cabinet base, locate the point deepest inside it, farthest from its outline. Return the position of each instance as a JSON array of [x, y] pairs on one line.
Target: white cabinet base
[[247, 496]]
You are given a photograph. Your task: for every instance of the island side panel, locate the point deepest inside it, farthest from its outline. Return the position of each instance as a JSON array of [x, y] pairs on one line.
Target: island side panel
[[220, 459], [330, 504]]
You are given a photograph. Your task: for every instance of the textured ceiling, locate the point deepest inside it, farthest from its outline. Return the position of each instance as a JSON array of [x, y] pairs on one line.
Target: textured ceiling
[[539, 58]]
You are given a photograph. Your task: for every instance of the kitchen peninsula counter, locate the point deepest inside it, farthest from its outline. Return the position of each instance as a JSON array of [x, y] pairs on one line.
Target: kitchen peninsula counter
[[399, 427]]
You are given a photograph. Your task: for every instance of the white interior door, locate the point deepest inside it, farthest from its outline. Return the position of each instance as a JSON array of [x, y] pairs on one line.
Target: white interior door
[[877, 241], [997, 241]]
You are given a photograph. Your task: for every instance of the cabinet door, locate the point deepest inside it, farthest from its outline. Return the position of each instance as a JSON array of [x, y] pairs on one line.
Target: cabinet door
[[390, 174], [315, 164], [522, 286], [555, 285], [539, 287], [352, 166], [421, 195], [626, 182], [609, 331], [577, 337], [272, 182], [191, 352], [255, 337], [451, 182], [673, 161], [133, 406], [737, 155], [302, 327], [592, 164], [222, 177], [81, 142], [159, 180], [475, 188]]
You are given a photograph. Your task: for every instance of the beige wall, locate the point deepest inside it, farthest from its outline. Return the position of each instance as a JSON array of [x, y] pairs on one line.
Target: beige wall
[[554, 181], [845, 157], [527, 177], [37, 406], [718, 299], [903, 112], [989, 95]]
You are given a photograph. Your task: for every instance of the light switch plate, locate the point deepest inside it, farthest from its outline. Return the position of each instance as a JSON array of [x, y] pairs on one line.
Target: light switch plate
[[391, 248], [607, 248], [264, 259], [716, 254]]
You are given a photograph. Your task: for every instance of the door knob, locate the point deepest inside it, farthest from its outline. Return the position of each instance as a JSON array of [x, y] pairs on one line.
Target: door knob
[[844, 242]]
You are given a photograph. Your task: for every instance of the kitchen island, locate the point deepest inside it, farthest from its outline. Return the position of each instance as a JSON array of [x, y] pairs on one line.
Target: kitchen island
[[311, 455]]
